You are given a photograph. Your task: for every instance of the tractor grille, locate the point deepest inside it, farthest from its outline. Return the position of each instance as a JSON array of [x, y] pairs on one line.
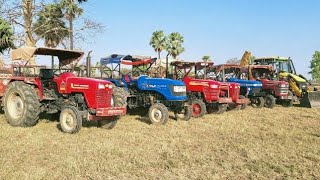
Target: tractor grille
[[211, 93], [283, 90], [103, 98]]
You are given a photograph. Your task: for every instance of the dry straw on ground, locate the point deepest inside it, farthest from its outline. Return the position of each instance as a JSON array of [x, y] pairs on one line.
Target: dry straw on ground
[[280, 143]]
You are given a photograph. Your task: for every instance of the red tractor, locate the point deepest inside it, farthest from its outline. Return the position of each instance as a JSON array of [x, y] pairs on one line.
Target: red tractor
[[28, 90], [205, 95], [278, 90]]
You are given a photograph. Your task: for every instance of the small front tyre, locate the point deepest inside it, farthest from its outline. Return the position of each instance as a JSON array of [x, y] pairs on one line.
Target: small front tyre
[[270, 101], [70, 120], [198, 108], [185, 114], [158, 114]]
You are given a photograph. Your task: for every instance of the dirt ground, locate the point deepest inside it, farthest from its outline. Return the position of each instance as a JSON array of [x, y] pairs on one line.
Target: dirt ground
[[279, 143]]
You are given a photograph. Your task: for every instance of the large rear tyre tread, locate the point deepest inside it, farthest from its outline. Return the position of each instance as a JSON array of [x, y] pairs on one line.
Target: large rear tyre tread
[[108, 123], [28, 100], [217, 109]]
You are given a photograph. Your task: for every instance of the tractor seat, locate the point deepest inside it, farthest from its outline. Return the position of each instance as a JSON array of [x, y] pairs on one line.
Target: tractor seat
[[46, 74], [127, 79], [46, 77]]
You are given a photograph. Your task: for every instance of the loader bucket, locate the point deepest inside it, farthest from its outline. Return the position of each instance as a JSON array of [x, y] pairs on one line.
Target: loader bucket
[[311, 100]]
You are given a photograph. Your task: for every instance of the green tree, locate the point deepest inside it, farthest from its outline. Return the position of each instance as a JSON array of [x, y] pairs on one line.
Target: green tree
[[158, 42], [72, 10], [233, 61], [315, 66], [174, 44], [6, 35], [55, 30]]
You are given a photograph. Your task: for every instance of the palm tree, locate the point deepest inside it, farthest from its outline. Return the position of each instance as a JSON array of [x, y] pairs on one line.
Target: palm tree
[[72, 10], [55, 30], [173, 47], [174, 44], [205, 59], [6, 35], [158, 42]]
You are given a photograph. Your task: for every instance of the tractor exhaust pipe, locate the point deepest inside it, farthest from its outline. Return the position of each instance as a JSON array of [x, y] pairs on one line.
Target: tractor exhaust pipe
[[88, 64]]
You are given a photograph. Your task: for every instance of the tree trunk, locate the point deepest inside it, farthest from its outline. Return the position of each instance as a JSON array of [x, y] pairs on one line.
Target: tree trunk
[[167, 66], [71, 31], [27, 17], [159, 54]]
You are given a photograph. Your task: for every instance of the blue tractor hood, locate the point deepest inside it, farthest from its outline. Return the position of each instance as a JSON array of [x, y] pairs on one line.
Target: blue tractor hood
[[247, 83], [163, 86]]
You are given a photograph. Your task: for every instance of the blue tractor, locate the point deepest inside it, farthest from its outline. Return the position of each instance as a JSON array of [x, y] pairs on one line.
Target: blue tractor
[[158, 95], [248, 88]]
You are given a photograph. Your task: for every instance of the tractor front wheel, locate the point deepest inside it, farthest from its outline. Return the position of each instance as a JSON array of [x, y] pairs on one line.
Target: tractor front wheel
[[185, 114], [158, 114], [287, 103], [70, 120], [21, 105], [270, 101], [198, 108], [257, 102], [243, 106]]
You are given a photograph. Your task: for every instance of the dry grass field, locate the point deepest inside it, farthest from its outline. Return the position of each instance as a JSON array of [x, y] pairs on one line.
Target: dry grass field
[[282, 143]]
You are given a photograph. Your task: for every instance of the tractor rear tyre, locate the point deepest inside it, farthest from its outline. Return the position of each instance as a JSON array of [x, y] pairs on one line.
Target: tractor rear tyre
[[257, 102], [119, 99], [270, 101], [185, 114], [198, 108], [218, 109], [108, 123], [21, 105], [158, 114], [70, 120], [119, 96]]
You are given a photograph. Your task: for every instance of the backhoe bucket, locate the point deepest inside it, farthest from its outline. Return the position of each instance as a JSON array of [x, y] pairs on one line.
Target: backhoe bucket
[[311, 100]]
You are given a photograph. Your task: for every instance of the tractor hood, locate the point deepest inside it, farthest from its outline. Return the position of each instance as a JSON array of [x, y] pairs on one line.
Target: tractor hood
[[200, 82], [172, 90], [248, 83], [267, 82]]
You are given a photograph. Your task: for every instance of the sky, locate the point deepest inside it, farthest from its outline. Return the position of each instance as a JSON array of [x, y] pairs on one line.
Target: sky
[[220, 29]]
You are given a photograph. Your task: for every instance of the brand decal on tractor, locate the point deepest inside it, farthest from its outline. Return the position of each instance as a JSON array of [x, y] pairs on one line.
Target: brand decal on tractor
[[79, 86], [199, 83]]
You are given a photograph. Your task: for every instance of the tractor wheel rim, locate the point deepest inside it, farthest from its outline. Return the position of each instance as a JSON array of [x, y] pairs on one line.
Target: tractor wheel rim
[[15, 105], [68, 120], [196, 109], [157, 115]]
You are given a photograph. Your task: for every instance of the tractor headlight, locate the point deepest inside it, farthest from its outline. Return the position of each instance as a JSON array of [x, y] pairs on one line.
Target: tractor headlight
[[101, 86], [178, 89], [214, 86]]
